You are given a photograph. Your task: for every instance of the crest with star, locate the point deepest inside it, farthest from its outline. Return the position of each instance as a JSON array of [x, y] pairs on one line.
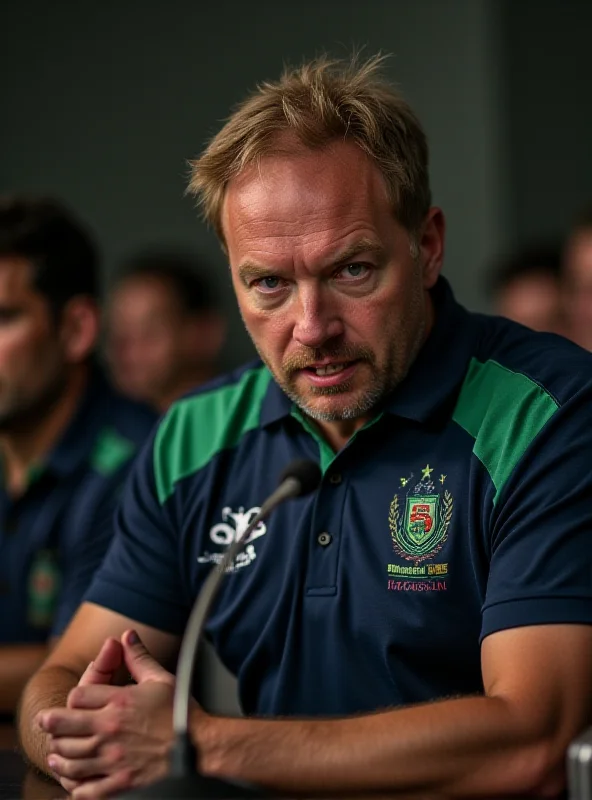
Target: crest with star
[[419, 523]]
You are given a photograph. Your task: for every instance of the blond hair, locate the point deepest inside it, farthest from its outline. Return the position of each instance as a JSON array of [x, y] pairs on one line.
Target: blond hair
[[320, 102]]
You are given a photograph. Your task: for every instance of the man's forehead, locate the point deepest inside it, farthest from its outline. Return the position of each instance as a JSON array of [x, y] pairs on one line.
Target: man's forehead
[[304, 188], [16, 274]]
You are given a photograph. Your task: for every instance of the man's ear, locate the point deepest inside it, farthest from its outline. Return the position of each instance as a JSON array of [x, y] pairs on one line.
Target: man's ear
[[79, 328], [431, 246]]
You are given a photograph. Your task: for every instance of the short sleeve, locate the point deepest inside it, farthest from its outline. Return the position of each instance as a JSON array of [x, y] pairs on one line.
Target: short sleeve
[[140, 576], [541, 530]]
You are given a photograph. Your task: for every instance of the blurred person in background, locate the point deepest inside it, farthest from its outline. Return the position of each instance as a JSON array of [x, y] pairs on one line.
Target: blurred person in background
[[526, 288], [577, 265], [164, 329], [66, 439]]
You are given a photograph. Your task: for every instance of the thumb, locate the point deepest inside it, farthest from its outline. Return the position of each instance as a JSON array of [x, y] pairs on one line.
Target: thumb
[[141, 665], [102, 669]]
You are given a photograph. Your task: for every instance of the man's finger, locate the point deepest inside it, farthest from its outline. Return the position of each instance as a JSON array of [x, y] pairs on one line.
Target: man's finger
[[76, 747], [92, 696], [104, 787], [101, 670], [68, 784], [76, 769], [68, 722], [141, 665]]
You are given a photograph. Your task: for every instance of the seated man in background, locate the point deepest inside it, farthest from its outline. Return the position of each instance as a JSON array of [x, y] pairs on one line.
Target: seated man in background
[[164, 329], [66, 439], [526, 288], [577, 267], [422, 623]]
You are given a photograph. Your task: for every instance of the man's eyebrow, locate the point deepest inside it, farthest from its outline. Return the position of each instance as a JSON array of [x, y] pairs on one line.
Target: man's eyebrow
[[356, 249], [251, 270]]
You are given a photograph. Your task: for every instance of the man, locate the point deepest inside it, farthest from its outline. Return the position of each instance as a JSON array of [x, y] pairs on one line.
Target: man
[[164, 329], [577, 264], [527, 288], [66, 439], [422, 623]]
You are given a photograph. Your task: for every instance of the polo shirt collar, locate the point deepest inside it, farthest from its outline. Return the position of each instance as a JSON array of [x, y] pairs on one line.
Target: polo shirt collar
[[434, 377]]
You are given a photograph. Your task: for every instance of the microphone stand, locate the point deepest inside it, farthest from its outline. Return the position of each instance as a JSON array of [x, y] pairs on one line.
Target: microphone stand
[[183, 780]]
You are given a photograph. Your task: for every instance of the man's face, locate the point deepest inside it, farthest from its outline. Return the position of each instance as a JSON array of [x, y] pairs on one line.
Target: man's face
[[533, 300], [32, 363], [333, 297], [578, 273], [146, 340]]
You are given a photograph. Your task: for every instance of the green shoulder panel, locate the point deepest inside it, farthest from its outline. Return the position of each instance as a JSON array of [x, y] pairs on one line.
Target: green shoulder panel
[[503, 411], [197, 428], [111, 451]]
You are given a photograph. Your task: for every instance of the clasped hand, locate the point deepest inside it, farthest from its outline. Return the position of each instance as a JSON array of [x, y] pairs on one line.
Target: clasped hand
[[110, 738]]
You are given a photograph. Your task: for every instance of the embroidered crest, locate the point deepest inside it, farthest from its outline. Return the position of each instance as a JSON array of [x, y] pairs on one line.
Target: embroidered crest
[[419, 522]]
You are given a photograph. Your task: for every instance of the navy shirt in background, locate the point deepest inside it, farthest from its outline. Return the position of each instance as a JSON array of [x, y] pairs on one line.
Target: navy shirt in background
[[53, 537], [463, 508]]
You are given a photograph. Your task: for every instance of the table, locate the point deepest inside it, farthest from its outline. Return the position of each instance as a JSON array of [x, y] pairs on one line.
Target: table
[[17, 780]]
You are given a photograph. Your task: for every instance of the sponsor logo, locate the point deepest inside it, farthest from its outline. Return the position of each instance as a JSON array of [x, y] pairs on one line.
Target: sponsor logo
[[232, 527]]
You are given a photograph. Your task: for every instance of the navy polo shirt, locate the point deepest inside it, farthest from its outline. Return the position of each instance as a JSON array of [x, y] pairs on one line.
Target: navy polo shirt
[[463, 508], [54, 536]]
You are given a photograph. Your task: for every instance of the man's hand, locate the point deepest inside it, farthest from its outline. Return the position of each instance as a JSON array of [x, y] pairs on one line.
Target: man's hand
[[110, 738], [100, 671]]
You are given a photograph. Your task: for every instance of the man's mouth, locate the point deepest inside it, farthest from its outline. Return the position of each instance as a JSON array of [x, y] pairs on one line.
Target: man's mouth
[[329, 369]]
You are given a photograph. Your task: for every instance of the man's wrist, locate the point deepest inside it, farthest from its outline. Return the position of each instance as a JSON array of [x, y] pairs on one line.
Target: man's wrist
[[208, 740]]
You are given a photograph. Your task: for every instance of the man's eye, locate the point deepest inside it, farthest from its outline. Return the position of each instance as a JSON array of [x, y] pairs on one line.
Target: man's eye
[[269, 284], [353, 271]]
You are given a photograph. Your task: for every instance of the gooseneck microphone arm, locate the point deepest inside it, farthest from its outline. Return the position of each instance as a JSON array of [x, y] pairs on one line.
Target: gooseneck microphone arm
[[291, 486]]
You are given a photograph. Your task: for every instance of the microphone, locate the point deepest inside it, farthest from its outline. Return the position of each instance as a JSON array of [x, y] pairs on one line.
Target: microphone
[[299, 478]]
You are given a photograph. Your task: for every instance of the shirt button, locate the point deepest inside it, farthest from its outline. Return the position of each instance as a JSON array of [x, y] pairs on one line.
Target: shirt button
[[335, 478], [324, 539]]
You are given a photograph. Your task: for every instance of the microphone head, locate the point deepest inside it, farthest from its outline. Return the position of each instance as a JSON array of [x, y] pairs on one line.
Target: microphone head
[[307, 474]]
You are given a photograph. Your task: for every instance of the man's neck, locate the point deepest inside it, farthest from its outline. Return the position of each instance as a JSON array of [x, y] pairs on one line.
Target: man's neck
[[338, 434], [23, 449]]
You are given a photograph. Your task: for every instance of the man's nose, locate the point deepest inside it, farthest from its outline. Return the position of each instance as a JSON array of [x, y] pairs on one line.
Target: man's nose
[[318, 319]]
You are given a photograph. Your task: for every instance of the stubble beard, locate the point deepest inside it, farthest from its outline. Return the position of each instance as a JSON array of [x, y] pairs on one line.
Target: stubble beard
[[383, 380], [22, 412]]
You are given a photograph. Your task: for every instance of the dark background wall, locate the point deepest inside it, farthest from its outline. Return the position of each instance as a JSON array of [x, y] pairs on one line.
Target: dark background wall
[[547, 71]]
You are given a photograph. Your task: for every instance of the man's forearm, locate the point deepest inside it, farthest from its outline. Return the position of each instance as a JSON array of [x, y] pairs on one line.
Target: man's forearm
[[453, 748], [47, 689], [17, 664]]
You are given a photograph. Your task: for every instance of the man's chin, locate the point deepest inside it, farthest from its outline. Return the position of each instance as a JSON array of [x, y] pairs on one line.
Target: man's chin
[[334, 408]]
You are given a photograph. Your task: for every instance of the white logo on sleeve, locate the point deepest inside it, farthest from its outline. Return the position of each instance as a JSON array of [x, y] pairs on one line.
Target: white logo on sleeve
[[225, 533]]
